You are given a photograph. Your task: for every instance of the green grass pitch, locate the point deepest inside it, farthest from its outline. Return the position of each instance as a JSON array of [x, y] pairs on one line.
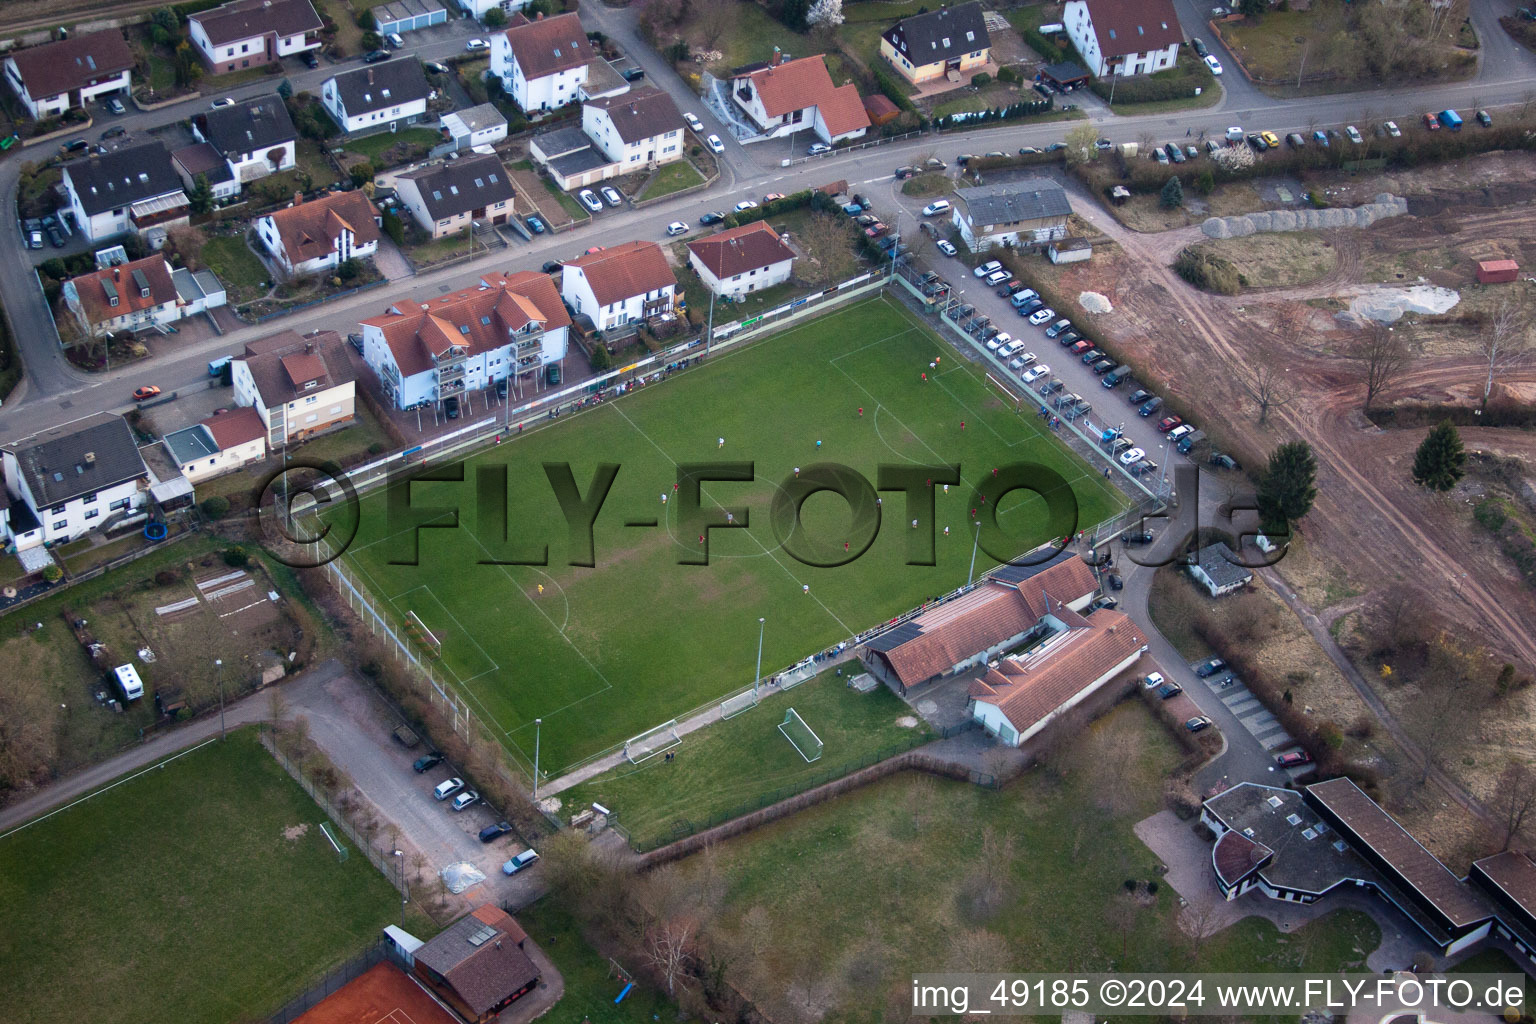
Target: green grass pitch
[[604, 653]]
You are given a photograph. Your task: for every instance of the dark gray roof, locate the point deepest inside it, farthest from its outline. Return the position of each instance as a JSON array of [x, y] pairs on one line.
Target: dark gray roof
[[560, 141], [191, 444], [79, 458], [940, 35], [1066, 71], [459, 186], [246, 19], [364, 89], [641, 114], [123, 176], [249, 126], [1008, 203], [1223, 573]]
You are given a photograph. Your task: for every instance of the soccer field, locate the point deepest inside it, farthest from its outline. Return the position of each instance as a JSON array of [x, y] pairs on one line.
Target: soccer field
[[602, 654]]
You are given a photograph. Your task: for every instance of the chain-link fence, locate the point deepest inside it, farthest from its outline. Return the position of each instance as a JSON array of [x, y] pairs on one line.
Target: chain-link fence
[[380, 952]]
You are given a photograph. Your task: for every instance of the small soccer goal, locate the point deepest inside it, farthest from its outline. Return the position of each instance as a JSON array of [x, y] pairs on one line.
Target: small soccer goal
[[733, 706], [652, 742], [330, 837], [424, 637], [800, 736]]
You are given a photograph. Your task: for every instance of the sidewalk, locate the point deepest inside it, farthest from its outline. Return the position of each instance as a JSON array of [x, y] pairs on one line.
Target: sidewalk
[[254, 708]]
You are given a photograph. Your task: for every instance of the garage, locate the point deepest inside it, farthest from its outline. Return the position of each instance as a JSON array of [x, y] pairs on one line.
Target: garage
[[403, 16]]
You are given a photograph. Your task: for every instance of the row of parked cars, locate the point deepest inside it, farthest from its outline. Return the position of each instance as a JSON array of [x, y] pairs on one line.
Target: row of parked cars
[[462, 798]]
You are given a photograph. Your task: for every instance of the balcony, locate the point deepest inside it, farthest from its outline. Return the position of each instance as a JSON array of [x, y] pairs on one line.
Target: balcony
[[446, 388], [451, 372]]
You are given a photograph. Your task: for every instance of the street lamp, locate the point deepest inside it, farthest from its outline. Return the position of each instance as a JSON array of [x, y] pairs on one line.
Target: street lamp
[[972, 573], [759, 674], [405, 886], [218, 664], [537, 723]]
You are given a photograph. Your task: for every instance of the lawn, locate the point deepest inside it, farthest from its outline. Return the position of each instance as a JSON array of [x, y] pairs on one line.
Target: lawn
[[371, 146], [595, 653], [590, 986], [965, 101], [741, 763], [567, 202], [181, 888], [673, 177], [236, 266], [913, 874], [349, 445]]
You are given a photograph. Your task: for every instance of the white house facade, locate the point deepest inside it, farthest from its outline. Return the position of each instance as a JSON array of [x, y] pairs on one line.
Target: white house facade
[[742, 260], [318, 234], [542, 64], [622, 285], [51, 78], [378, 96], [76, 478], [1124, 37], [637, 129], [250, 33]]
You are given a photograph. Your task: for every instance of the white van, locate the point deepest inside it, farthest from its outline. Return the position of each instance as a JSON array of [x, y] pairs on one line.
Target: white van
[[395, 42], [129, 682]]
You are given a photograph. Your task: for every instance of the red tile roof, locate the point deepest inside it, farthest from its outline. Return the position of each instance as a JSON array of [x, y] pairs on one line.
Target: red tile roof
[[482, 969], [739, 250], [1234, 855], [623, 271], [547, 46], [234, 427], [303, 367], [1027, 690], [880, 109], [843, 111], [246, 19], [1125, 27], [92, 288], [266, 358], [792, 85], [308, 229], [55, 68], [478, 319], [988, 615], [1496, 265]]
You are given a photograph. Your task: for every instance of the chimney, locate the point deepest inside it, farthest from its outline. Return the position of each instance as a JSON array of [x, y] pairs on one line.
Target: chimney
[[777, 57], [117, 273], [90, 457], [298, 197]]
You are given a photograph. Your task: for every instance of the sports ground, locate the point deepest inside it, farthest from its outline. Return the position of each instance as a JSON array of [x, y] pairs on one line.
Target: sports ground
[[601, 654]]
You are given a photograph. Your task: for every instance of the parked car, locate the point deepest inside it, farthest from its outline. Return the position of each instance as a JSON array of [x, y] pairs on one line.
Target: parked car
[[745, 205], [945, 247], [875, 230], [1169, 690], [551, 267], [1022, 296], [1180, 432], [535, 224], [1093, 355], [1034, 373], [33, 232], [936, 207], [1050, 387], [1198, 723], [1209, 667], [714, 217], [1133, 455], [1484, 119], [74, 146], [1151, 406], [1214, 64], [1168, 423], [1221, 461], [1103, 366], [1235, 134], [1138, 396], [476, 44], [773, 197], [1113, 581], [1154, 680], [693, 121], [590, 200], [1270, 139], [371, 57], [451, 407], [1141, 537], [115, 105], [1174, 153], [428, 760], [677, 227], [1295, 141], [517, 863], [1257, 142], [1057, 327], [1353, 134], [146, 392], [1198, 45], [445, 789], [1042, 315], [996, 278], [1393, 130], [1161, 156], [1007, 349], [1080, 347], [1431, 122], [491, 833], [818, 148], [1293, 759], [1212, 146], [903, 173], [611, 196], [312, 62], [714, 143], [989, 267], [1321, 138], [464, 799]]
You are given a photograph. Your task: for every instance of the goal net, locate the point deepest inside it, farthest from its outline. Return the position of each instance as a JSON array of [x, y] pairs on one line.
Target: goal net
[[1003, 391], [330, 837], [418, 631], [800, 736], [652, 742], [733, 706]]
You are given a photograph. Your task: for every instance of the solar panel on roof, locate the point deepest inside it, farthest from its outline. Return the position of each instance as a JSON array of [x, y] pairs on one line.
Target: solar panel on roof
[[480, 936]]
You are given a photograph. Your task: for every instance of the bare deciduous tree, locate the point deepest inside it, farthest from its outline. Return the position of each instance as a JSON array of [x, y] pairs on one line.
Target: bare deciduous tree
[[1381, 355], [670, 949], [1514, 801], [1505, 344], [1267, 382], [827, 241], [712, 23], [1450, 702], [1198, 923]]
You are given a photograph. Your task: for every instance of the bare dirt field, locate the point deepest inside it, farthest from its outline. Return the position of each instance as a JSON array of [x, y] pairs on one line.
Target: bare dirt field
[[1372, 532]]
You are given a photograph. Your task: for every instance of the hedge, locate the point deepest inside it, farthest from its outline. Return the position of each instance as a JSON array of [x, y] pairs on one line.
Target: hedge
[[795, 201], [977, 118], [10, 359], [887, 84]]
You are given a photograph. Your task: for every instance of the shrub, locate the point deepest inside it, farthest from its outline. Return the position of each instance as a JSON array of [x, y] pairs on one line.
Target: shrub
[[981, 80], [1008, 75], [236, 557], [372, 40], [495, 18], [600, 359], [52, 573], [166, 578], [361, 174], [216, 507], [1205, 270], [1205, 182]]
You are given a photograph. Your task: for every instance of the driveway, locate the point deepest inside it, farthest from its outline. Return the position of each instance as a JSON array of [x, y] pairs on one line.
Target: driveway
[[391, 261]]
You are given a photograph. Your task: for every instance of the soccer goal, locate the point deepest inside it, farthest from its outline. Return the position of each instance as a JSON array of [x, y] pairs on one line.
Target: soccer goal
[[418, 631], [800, 735], [733, 706], [330, 836], [1003, 391], [652, 742]]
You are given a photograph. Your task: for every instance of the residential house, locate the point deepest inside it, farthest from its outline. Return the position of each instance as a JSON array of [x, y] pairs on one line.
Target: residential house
[[478, 9], [250, 33], [741, 260], [228, 440], [401, 16], [377, 96], [997, 616], [298, 386], [86, 475], [200, 160], [427, 352], [1331, 837], [51, 78], [638, 129], [130, 189], [571, 157], [1124, 37], [197, 291], [254, 137], [137, 296], [1031, 210], [542, 63], [445, 198], [481, 125], [622, 286], [951, 41], [317, 234], [1218, 570], [477, 965], [782, 97]]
